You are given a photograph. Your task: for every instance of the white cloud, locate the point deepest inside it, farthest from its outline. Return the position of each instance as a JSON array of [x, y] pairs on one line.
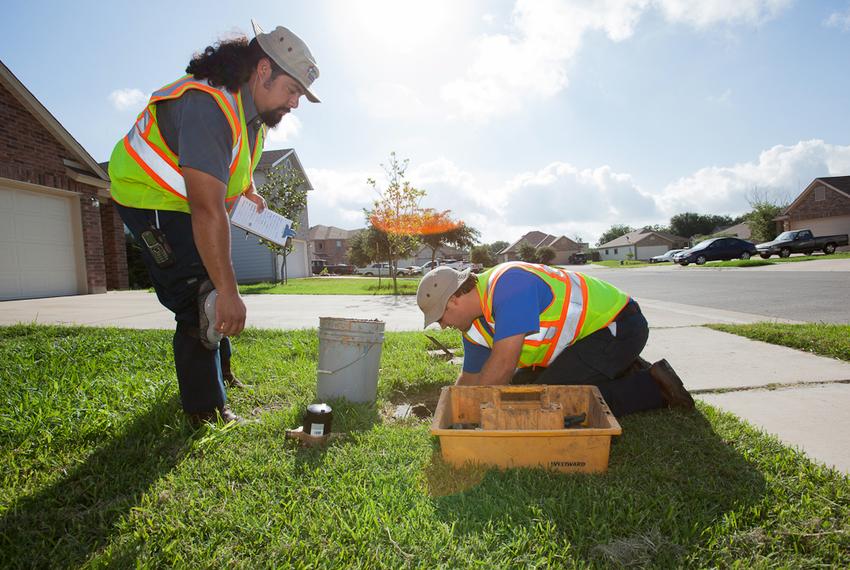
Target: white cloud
[[128, 99], [724, 98], [338, 197], [565, 197], [281, 136], [781, 171], [702, 13], [839, 20], [531, 61]]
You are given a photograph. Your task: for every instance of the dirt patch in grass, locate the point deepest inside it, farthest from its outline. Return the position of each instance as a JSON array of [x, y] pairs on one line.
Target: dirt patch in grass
[[422, 401]]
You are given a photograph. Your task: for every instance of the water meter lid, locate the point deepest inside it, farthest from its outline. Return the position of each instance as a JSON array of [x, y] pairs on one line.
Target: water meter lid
[[319, 408]]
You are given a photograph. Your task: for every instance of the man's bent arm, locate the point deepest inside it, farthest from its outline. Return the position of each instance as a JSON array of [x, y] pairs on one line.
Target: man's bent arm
[[211, 230], [500, 366]]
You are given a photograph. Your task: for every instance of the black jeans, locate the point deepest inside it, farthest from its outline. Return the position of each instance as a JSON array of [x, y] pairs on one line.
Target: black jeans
[[603, 360], [199, 370]]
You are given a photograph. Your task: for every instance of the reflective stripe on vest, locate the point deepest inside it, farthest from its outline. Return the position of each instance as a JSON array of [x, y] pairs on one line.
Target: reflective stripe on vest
[[158, 164], [477, 334]]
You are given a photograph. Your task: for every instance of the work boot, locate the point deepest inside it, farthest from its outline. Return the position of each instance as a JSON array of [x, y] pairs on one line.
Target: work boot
[[231, 381], [672, 389], [223, 415]]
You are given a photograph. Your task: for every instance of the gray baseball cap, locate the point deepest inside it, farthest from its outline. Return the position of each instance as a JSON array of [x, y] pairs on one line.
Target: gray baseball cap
[[291, 54], [435, 290]]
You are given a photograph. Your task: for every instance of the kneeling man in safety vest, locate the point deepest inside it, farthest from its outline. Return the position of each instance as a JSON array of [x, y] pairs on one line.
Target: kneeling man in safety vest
[[189, 156], [525, 323]]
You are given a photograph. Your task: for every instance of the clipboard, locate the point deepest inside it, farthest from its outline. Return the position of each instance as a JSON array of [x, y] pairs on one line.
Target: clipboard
[[267, 225]]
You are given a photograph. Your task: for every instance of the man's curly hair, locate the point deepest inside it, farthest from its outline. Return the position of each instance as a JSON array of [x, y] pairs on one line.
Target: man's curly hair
[[229, 63]]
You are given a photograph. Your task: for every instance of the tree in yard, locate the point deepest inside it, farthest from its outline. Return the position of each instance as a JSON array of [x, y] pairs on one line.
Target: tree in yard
[[658, 228], [284, 195], [614, 232], [760, 218], [545, 255], [528, 252], [457, 234], [481, 254], [496, 247], [689, 224], [397, 214]]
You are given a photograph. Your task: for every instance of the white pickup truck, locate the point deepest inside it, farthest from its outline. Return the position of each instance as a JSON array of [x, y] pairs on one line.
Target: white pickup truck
[[374, 270], [458, 265]]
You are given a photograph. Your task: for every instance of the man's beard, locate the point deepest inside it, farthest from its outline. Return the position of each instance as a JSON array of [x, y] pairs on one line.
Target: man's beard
[[273, 117]]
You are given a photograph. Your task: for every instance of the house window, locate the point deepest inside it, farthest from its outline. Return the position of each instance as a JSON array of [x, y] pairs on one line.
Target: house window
[[338, 243], [615, 252], [820, 194], [606, 252], [321, 245]]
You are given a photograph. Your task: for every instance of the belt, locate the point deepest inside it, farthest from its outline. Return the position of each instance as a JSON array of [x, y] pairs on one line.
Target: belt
[[631, 308]]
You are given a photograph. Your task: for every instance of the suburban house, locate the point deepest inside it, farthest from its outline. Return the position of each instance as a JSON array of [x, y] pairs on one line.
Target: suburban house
[[563, 246], [254, 262], [59, 232], [330, 243], [823, 207], [640, 244], [741, 231], [423, 255]]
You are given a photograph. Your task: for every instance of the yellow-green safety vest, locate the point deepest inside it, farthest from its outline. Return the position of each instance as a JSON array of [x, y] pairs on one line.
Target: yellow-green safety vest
[[581, 305], [145, 173]]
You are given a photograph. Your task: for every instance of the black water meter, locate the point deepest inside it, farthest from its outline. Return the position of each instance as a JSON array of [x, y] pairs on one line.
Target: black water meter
[[317, 420]]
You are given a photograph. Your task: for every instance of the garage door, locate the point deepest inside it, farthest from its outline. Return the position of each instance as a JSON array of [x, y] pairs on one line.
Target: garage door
[[647, 251], [38, 254], [825, 226]]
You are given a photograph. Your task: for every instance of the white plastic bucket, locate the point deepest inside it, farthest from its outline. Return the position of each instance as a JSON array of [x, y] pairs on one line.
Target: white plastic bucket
[[349, 358]]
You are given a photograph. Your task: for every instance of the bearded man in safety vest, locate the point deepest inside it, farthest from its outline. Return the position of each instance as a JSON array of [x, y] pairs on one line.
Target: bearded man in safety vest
[[191, 153], [525, 323]]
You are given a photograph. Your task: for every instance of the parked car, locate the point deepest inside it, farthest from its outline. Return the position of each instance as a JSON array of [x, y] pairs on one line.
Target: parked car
[[578, 258], [716, 249], [318, 265], [800, 241], [374, 270], [668, 256], [409, 271], [340, 269]]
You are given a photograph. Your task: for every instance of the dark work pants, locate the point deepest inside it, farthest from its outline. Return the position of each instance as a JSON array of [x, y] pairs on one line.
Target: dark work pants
[[602, 360], [199, 370]]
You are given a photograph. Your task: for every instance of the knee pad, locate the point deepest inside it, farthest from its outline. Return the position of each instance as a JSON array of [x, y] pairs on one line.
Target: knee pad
[[207, 334]]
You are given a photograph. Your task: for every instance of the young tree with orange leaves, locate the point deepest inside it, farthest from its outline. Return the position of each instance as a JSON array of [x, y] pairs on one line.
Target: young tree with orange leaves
[[397, 213]]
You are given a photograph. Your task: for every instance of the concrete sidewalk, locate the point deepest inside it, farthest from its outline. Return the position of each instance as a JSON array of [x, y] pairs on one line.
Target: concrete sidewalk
[[801, 398]]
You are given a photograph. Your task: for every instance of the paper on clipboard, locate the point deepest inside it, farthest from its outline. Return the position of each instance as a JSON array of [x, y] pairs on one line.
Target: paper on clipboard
[[267, 225]]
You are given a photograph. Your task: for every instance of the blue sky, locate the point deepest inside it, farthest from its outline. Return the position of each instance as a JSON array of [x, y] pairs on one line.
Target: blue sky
[[559, 115]]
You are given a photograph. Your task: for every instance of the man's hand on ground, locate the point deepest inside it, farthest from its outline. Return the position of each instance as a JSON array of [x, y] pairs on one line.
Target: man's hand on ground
[[229, 313]]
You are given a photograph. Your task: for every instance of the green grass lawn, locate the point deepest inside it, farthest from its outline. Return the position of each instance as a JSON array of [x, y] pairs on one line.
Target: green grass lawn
[[334, 286], [818, 338], [795, 258], [101, 469]]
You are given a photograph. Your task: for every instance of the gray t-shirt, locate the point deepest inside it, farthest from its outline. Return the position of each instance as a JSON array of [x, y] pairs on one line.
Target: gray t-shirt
[[196, 129]]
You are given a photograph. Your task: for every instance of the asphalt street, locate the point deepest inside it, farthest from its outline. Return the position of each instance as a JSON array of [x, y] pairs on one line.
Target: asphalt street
[[798, 293]]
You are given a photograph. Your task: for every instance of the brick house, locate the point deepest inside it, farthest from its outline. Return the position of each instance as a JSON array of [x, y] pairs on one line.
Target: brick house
[[563, 246], [330, 243], [641, 244], [823, 207], [59, 233]]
